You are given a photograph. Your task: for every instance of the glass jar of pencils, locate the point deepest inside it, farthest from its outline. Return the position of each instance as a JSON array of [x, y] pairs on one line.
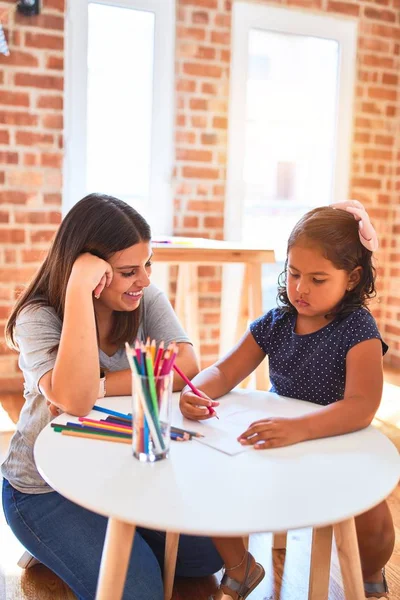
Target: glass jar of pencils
[[152, 397]]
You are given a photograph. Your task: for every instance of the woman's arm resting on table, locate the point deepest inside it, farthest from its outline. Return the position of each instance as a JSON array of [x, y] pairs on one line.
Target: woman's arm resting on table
[[362, 396], [222, 377]]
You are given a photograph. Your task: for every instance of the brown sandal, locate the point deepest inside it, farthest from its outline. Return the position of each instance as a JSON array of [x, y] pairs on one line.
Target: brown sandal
[[241, 588]]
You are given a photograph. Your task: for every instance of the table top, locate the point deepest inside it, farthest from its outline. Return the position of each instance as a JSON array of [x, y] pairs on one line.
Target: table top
[[203, 251], [200, 490]]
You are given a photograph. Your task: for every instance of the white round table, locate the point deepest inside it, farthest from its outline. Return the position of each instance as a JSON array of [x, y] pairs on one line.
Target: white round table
[[200, 490]]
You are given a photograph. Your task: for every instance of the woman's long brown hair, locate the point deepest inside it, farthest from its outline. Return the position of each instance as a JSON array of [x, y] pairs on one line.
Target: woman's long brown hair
[[98, 224]]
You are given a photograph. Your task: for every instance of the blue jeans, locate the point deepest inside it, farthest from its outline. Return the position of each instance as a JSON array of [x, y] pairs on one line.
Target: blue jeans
[[69, 540]]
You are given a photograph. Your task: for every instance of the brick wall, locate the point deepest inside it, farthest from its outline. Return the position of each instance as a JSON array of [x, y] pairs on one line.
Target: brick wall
[[203, 46], [31, 121]]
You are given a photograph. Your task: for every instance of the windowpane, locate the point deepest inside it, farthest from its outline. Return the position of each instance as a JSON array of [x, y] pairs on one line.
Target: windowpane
[[120, 97], [291, 114]]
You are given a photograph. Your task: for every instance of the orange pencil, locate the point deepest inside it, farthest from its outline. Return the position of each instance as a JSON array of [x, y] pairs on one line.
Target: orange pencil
[[93, 436]]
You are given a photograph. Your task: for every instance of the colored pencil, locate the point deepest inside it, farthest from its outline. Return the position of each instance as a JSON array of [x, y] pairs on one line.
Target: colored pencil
[[92, 436], [193, 388], [159, 354], [108, 411], [92, 430]]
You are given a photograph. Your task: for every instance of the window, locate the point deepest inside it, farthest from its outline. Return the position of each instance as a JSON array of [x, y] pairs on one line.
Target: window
[[119, 109], [290, 125]]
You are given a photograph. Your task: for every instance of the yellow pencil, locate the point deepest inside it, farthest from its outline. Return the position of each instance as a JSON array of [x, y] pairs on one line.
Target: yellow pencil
[[93, 436], [105, 426]]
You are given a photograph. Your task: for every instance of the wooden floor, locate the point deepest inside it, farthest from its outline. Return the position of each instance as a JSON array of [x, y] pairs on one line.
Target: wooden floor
[[286, 572]]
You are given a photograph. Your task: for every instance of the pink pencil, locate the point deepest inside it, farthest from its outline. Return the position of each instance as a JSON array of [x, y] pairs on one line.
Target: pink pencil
[[194, 389]]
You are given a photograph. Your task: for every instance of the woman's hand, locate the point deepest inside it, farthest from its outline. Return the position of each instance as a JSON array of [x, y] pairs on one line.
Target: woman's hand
[[54, 410], [92, 271], [273, 433], [196, 408]]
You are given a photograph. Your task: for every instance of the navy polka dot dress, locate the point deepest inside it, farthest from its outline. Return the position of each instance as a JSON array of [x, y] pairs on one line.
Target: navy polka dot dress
[[312, 366]]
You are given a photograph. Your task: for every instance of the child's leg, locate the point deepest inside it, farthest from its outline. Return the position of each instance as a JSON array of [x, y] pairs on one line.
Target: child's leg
[[239, 565], [376, 537]]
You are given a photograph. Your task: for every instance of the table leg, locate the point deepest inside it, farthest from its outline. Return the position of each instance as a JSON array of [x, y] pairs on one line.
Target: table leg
[[279, 541], [262, 378], [321, 550], [187, 302], [115, 559], [349, 559], [171, 551]]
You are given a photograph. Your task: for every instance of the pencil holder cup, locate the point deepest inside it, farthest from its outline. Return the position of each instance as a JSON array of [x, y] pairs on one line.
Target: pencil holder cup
[[151, 412]]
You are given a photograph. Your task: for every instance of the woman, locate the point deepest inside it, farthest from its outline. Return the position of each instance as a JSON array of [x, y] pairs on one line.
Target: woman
[[91, 295]]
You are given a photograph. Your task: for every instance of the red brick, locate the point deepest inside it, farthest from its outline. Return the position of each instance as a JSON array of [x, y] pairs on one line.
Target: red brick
[[58, 5], [9, 158], [382, 94], [42, 235], [33, 255], [209, 138], [20, 275], [185, 137], [53, 122], [198, 104], [200, 17], [199, 121], [208, 88], [14, 98], [18, 58], [53, 160], [30, 160], [191, 221], [200, 3], [4, 216], [194, 155], [4, 136], [220, 123], [390, 79], [214, 222], [190, 33], [223, 20], [31, 138], [52, 199], [17, 118], [384, 140], [221, 37], [362, 137], [374, 154], [39, 81], [26, 178], [55, 62], [201, 70], [13, 236], [186, 85], [380, 15], [56, 102], [371, 60], [200, 173], [40, 40], [43, 21], [366, 182]]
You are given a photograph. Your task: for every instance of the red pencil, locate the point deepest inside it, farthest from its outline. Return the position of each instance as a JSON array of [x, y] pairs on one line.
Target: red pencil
[[194, 389], [160, 351]]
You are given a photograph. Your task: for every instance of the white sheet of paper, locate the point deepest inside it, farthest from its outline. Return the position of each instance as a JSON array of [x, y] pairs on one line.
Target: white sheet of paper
[[222, 433]]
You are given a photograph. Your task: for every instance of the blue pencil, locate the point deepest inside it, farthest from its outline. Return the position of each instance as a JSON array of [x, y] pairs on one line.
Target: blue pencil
[[113, 412]]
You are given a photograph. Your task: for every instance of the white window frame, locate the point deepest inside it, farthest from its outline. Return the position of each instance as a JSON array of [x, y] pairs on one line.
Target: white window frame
[[252, 15], [162, 132]]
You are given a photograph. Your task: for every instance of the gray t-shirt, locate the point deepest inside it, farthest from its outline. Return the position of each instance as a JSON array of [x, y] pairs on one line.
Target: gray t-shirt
[[37, 331]]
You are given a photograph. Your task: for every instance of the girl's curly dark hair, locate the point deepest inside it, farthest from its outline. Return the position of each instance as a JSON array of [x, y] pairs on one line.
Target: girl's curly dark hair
[[335, 231]]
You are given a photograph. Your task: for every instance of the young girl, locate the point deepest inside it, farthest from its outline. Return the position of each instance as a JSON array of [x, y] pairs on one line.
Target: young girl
[[91, 295], [323, 346]]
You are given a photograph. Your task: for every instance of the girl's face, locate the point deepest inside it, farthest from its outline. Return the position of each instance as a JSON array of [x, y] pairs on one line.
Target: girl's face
[[131, 274], [314, 285]]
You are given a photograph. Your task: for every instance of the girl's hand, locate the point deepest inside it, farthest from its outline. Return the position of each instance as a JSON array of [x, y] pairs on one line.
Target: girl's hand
[[196, 408], [93, 271], [273, 433]]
